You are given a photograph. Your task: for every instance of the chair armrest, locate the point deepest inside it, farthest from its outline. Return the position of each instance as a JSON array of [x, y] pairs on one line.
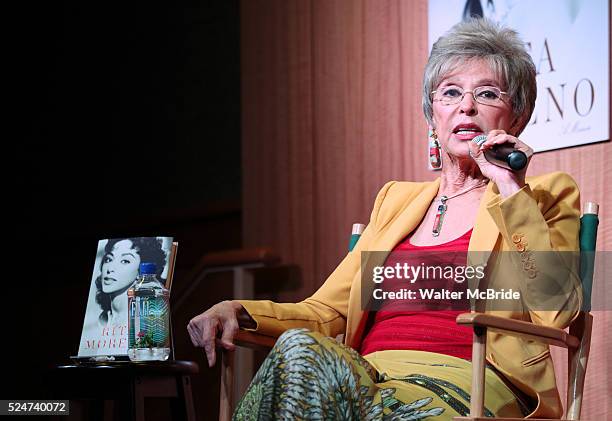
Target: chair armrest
[[254, 340], [550, 335]]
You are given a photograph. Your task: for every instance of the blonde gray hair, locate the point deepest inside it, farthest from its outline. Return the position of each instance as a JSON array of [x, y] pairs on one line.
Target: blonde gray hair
[[501, 47]]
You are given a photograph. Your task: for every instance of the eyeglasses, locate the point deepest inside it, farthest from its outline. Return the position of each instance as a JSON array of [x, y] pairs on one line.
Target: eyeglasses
[[486, 95]]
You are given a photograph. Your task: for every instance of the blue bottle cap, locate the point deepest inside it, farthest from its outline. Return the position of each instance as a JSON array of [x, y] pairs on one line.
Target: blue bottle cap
[[148, 268]]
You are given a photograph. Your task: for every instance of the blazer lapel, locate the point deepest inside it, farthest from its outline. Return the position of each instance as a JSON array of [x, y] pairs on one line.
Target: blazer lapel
[[483, 239], [392, 234], [485, 233]]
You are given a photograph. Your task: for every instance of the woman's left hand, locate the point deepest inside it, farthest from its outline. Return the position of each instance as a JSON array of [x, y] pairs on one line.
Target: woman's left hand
[[507, 181]]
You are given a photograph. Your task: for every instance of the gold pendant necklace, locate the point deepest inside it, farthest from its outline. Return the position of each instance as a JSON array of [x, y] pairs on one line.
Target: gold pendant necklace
[[442, 207]]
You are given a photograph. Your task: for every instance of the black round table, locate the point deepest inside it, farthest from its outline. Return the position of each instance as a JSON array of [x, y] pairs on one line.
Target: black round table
[[117, 390]]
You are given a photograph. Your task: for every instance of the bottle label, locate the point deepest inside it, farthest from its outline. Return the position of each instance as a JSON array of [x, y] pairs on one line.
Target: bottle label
[[149, 321]]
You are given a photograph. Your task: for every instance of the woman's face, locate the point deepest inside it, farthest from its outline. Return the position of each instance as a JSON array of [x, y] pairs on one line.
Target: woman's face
[[120, 267], [459, 123]]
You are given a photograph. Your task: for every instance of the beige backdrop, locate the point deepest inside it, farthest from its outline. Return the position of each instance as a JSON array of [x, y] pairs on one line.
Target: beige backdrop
[[331, 111]]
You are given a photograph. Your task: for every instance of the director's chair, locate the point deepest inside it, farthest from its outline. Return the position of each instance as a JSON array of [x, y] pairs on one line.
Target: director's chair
[[577, 341]]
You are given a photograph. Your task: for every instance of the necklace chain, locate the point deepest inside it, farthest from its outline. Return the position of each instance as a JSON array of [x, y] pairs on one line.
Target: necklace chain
[[447, 198], [442, 207]]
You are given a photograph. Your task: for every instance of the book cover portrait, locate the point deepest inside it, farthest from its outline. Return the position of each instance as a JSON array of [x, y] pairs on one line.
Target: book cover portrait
[[115, 271]]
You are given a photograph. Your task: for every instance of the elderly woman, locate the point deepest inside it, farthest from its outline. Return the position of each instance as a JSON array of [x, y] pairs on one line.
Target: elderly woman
[[406, 364]]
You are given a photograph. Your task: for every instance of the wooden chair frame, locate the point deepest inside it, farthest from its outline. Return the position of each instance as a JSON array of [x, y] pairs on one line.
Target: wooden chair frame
[[577, 342], [243, 339]]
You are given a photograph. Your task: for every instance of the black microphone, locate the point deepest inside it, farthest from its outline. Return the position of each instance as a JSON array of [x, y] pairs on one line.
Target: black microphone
[[504, 155]]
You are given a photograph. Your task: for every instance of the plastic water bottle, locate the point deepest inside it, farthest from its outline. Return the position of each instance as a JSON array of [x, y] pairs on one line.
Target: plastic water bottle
[[149, 317]]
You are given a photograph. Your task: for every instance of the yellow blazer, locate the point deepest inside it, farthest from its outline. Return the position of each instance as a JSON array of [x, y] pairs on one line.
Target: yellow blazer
[[543, 216]]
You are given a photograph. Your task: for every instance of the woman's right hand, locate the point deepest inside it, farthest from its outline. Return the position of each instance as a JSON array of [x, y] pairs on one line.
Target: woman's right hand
[[218, 326]]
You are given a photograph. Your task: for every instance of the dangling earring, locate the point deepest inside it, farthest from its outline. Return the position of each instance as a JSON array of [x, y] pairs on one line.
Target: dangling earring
[[435, 151]]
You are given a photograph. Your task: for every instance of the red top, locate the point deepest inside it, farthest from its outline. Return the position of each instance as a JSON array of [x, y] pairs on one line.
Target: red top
[[417, 325]]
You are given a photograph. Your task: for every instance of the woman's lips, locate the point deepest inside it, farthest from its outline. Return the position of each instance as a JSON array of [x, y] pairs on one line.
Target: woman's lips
[[467, 134], [108, 281]]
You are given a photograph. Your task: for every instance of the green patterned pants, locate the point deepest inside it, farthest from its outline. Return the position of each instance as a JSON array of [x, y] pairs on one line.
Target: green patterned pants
[[312, 377]]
